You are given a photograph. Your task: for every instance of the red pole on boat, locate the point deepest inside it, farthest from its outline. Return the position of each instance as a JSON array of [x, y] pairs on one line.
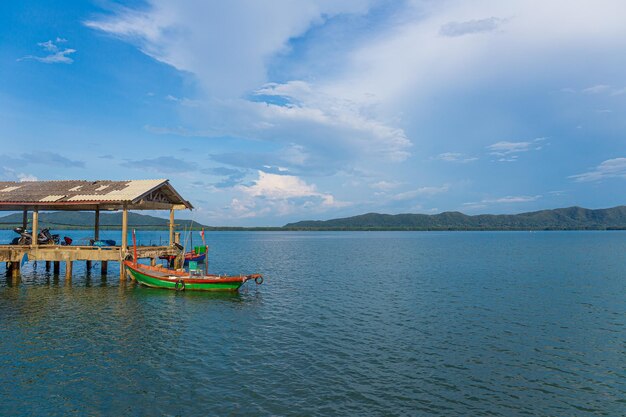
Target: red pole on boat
[[134, 247]]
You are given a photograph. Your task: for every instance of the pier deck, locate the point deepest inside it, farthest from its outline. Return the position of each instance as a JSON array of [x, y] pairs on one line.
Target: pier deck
[[12, 255], [15, 253]]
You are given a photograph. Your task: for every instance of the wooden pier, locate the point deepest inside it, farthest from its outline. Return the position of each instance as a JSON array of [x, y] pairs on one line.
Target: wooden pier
[[93, 196], [12, 255]]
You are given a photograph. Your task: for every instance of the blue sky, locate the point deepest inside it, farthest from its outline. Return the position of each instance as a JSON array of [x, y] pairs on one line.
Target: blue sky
[[262, 113]]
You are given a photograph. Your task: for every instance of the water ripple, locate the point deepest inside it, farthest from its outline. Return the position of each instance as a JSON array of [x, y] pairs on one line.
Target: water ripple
[[366, 324]]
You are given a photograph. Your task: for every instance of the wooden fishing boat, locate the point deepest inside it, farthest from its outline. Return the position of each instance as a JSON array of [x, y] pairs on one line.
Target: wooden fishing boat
[[160, 277]]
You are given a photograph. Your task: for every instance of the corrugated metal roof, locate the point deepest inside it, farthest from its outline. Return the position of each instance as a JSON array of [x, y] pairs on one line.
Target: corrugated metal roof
[[43, 193], [107, 192]]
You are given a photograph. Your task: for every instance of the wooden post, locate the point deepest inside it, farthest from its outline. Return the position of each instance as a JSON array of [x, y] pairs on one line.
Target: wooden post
[[15, 270], [25, 219], [35, 226], [171, 226], [124, 243], [47, 265], [56, 267], [153, 261], [124, 229], [68, 270], [103, 267], [88, 266], [180, 258], [96, 229]]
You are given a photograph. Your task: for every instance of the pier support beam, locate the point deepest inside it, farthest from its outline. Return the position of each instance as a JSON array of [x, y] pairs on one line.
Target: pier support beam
[[96, 233], [68, 270], [56, 267], [96, 227], [124, 243], [35, 226], [171, 226], [47, 265], [15, 270], [103, 267], [25, 219]]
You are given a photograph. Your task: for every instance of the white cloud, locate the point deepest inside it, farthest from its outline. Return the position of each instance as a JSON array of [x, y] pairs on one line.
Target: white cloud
[[10, 174], [332, 118], [597, 89], [55, 55], [507, 151], [280, 195], [420, 192], [513, 199], [385, 185], [226, 45], [280, 187], [501, 200], [453, 29], [22, 177], [455, 157], [611, 168]]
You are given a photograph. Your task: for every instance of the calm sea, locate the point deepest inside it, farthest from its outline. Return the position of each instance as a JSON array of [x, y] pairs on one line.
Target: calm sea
[[359, 324]]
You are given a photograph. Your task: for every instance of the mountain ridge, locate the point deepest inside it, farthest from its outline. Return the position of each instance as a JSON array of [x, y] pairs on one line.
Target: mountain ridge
[[568, 218]]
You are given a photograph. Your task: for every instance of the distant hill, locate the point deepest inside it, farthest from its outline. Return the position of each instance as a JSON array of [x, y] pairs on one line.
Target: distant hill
[[571, 218], [85, 220]]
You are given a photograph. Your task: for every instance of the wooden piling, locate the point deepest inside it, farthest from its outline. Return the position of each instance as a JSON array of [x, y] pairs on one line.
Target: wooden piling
[[68, 269], [15, 270], [56, 267], [124, 243], [171, 226], [35, 227], [103, 267], [96, 228], [47, 265]]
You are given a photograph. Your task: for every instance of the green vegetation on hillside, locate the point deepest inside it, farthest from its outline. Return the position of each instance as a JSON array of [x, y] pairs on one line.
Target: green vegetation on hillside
[[572, 218]]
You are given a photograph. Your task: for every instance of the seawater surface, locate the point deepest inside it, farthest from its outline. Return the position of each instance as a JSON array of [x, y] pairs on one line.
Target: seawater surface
[[363, 323]]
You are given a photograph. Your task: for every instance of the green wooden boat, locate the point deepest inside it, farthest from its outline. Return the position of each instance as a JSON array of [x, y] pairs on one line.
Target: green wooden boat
[[160, 277]]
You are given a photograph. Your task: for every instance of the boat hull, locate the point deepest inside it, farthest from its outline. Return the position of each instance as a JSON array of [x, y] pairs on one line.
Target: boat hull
[[179, 282]]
